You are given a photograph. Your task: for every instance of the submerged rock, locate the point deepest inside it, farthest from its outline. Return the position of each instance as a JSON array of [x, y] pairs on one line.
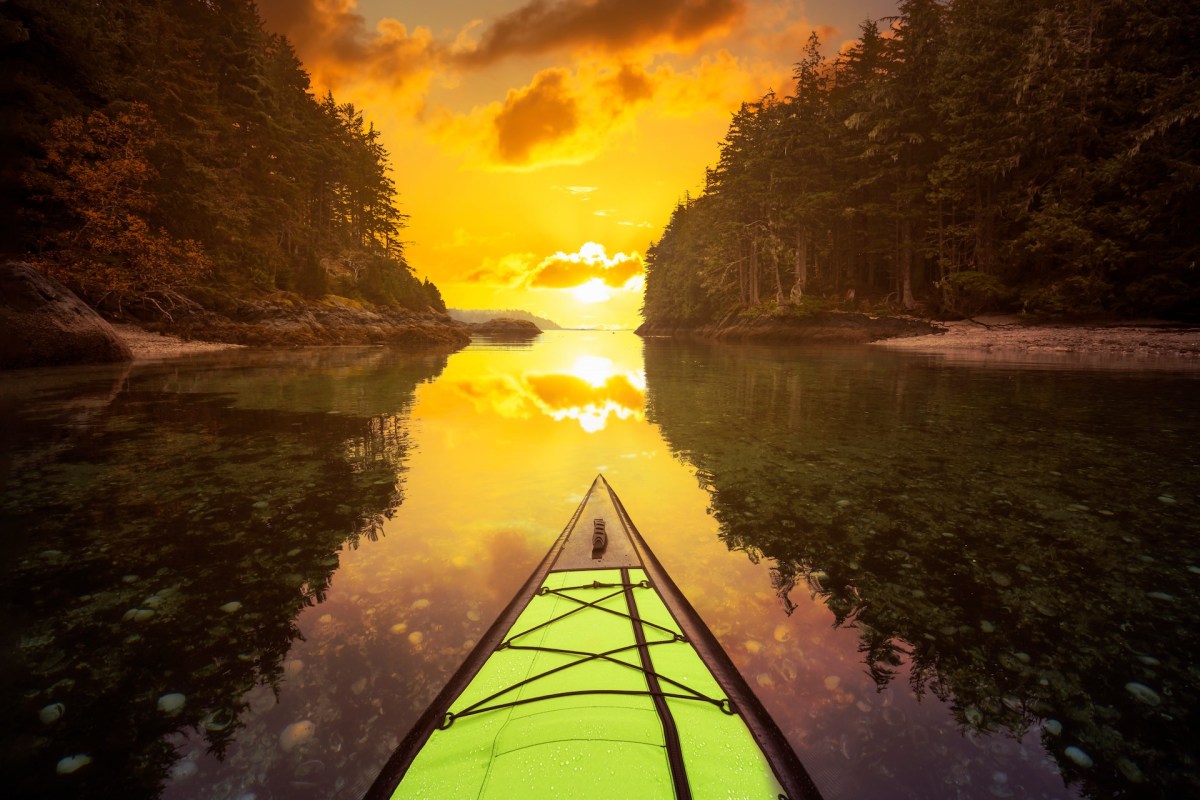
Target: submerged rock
[[295, 734], [1130, 770], [72, 763], [52, 713], [171, 704], [1143, 693], [1078, 757]]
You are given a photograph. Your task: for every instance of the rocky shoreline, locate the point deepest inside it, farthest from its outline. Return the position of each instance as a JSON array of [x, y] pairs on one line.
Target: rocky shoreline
[[828, 327], [285, 320], [43, 323]]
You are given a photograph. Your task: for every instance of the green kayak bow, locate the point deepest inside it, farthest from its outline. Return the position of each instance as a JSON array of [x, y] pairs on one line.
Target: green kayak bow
[[599, 680]]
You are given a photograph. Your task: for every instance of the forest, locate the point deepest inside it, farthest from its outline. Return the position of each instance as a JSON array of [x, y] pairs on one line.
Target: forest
[[1031, 156], [167, 150]]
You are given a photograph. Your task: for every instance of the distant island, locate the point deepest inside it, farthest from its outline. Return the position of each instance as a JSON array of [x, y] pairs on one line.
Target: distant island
[[474, 315]]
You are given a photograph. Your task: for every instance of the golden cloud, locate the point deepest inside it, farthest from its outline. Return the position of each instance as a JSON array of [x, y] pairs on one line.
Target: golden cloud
[[509, 270], [570, 116], [568, 270], [536, 117], [561, 117], [563, 270]]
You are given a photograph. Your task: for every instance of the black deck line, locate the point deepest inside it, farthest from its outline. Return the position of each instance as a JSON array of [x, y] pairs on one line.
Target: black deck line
[[784, 762], [683, 790]]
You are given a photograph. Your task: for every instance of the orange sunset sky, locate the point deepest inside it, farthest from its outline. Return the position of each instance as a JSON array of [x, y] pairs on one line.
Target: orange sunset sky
[[539, 147]]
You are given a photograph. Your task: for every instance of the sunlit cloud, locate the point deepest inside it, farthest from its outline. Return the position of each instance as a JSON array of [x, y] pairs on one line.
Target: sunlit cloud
[[590, 263], [591, 266], [591, 392]]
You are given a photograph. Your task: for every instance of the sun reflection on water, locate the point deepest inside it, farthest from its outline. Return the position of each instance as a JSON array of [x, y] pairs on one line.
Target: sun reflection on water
[[592, 391]]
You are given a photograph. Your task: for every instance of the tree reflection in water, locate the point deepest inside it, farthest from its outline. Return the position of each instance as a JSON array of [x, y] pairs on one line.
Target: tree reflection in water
[[1021, 544], [162, 545]]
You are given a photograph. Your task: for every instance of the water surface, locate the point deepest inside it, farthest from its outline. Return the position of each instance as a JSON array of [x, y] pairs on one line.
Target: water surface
[[246, 574]]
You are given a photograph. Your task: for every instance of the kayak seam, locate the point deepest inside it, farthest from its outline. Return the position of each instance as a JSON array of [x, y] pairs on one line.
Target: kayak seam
[[679, 778], [487, 776]]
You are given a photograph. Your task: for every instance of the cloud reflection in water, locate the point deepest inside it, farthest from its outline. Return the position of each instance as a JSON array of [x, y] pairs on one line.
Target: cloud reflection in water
[[591, 392]]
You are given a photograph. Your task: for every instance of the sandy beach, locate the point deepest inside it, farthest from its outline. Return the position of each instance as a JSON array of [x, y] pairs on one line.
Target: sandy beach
[[146, 345], [1010, 334]]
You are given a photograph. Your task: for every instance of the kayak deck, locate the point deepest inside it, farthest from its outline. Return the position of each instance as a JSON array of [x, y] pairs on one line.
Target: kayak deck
[[591, 685]]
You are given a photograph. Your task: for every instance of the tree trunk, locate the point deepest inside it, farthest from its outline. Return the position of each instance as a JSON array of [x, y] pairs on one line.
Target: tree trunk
[[775, 272], [800, 281], [753, 271], [906, 262]]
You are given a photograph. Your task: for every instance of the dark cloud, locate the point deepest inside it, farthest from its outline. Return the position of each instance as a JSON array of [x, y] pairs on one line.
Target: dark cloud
[[610, 25], [543, 112], [630, 85], [316, 26], [335, 41]]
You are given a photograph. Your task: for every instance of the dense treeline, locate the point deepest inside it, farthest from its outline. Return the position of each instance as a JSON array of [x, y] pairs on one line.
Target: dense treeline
[[1031, 155], [165, 144]]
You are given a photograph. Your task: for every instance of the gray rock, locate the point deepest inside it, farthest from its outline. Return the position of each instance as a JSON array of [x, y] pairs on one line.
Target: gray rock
[[43, 323]]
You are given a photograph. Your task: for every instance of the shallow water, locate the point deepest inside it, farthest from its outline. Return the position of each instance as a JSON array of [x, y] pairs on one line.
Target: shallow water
[[945, 579]]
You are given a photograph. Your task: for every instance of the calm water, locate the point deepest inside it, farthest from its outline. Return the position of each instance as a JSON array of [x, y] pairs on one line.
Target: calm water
[[245, 575]]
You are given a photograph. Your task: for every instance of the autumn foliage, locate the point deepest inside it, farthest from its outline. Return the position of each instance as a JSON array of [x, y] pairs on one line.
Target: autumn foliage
[[153, 147], [98, 171]]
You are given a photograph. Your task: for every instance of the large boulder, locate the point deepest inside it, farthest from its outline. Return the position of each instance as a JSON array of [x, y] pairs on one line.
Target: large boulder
[[43, 323]]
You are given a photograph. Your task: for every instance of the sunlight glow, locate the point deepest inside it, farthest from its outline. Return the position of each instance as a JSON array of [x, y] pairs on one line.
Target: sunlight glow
[[594, 291]]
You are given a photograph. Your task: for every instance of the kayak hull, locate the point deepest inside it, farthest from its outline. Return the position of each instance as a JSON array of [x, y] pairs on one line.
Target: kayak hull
[[599, 680]]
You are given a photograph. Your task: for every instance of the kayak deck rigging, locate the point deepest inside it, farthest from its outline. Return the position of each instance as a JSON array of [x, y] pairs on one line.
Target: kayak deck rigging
[[654, 679], [598, 680]]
